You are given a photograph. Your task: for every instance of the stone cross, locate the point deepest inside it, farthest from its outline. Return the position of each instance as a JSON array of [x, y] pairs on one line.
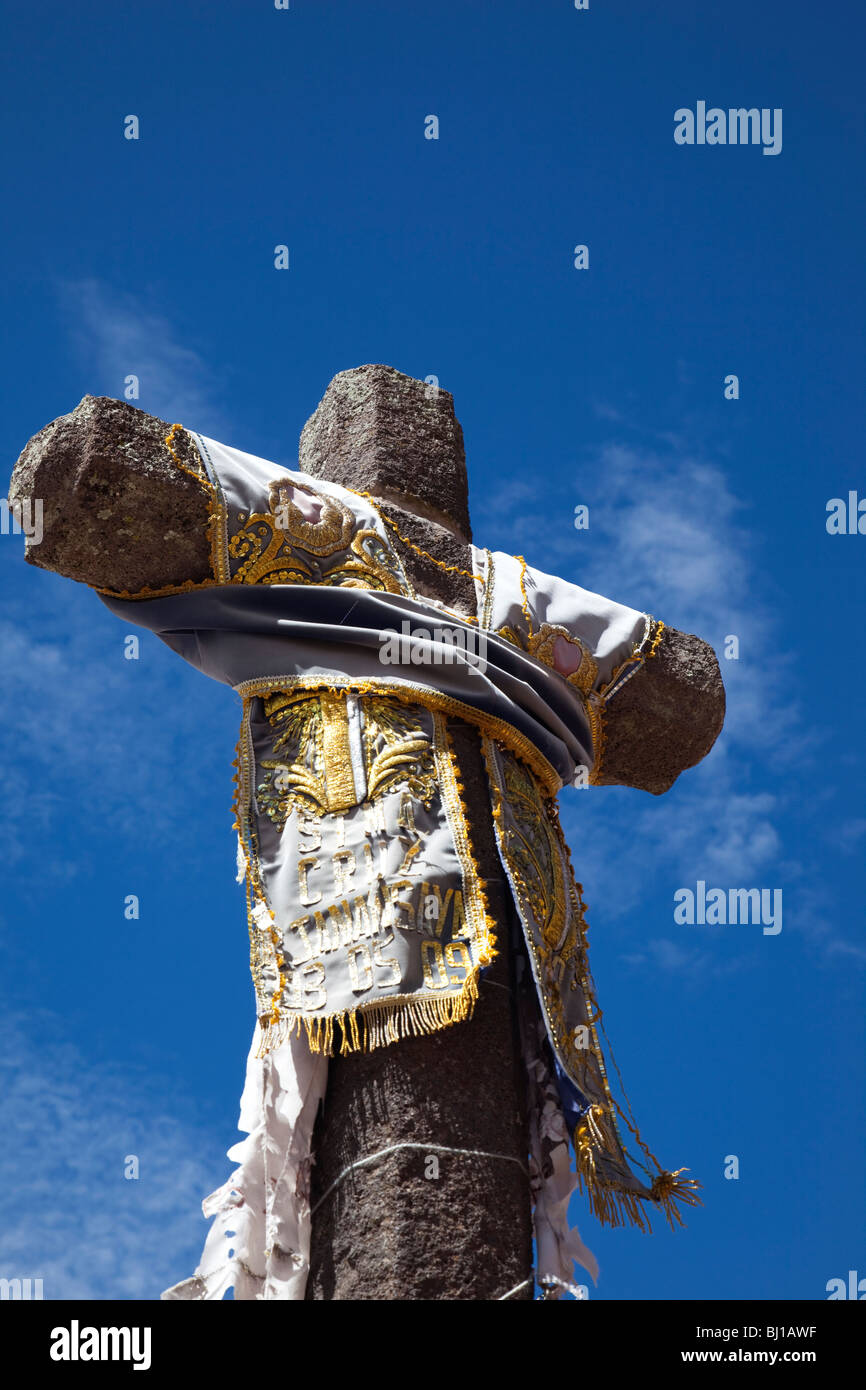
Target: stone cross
[[118, 514]]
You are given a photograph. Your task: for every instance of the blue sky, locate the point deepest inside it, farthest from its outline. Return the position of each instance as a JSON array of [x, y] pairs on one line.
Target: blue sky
[[604, 387]]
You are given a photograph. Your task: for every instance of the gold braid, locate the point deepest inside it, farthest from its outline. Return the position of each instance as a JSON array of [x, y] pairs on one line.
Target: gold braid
[[658, 637], [452, 569], [525, 601], [198, 473]]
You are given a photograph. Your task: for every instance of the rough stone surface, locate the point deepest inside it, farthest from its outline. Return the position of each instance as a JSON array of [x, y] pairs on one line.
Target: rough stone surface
[[380, 431], [391, 1230], [666, 718], [118, 513]]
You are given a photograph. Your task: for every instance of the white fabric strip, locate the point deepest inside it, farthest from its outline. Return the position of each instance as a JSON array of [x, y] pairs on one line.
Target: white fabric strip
[[259, 1243], [353, 713]]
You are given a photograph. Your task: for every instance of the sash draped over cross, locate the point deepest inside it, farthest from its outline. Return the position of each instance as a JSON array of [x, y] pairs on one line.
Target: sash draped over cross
[[367, 914]]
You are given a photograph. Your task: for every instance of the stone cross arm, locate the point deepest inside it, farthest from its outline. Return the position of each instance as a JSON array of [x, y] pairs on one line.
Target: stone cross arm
[[118, 514]]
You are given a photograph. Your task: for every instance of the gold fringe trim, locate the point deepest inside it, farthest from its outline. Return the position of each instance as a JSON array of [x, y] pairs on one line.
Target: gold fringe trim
[[473, 879], [372, 1025], [614, 1206], [670, 1188]]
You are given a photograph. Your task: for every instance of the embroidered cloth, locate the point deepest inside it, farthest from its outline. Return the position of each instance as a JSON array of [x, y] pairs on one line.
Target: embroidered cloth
[[366, 910]]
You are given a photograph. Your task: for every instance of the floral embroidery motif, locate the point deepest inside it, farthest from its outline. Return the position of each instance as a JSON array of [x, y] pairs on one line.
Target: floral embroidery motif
[[542, 644], [397, 752], [282, 547], [332, 532], [310, 768], [297, 777], [534, 852]]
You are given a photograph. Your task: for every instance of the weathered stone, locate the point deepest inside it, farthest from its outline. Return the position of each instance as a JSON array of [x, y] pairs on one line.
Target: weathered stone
[[397, 1229], [118, 513], [666, 718], [379, 431]]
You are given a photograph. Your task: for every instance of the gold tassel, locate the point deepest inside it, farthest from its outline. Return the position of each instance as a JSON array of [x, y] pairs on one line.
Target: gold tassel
[[613, 1207], [619, 1207], [670, 1188]]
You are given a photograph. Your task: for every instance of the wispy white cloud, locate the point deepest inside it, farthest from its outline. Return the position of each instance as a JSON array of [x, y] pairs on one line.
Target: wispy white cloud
[[69, 1216], [683, 958], [79, 724], [85, 732], [117, 334], [669, 535]]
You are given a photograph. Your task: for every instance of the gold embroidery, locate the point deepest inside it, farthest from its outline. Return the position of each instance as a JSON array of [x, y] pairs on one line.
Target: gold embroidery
[[414, 694], [396, 751], [534, 853], [299, 777], [263, 549], [314, 770], [267, 549], [652, 651], [425, 554], [542, 643], [374, 566], [476, 907], [332, 532], [432, 954], [265, 553], [339, 779], [524, 596]]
